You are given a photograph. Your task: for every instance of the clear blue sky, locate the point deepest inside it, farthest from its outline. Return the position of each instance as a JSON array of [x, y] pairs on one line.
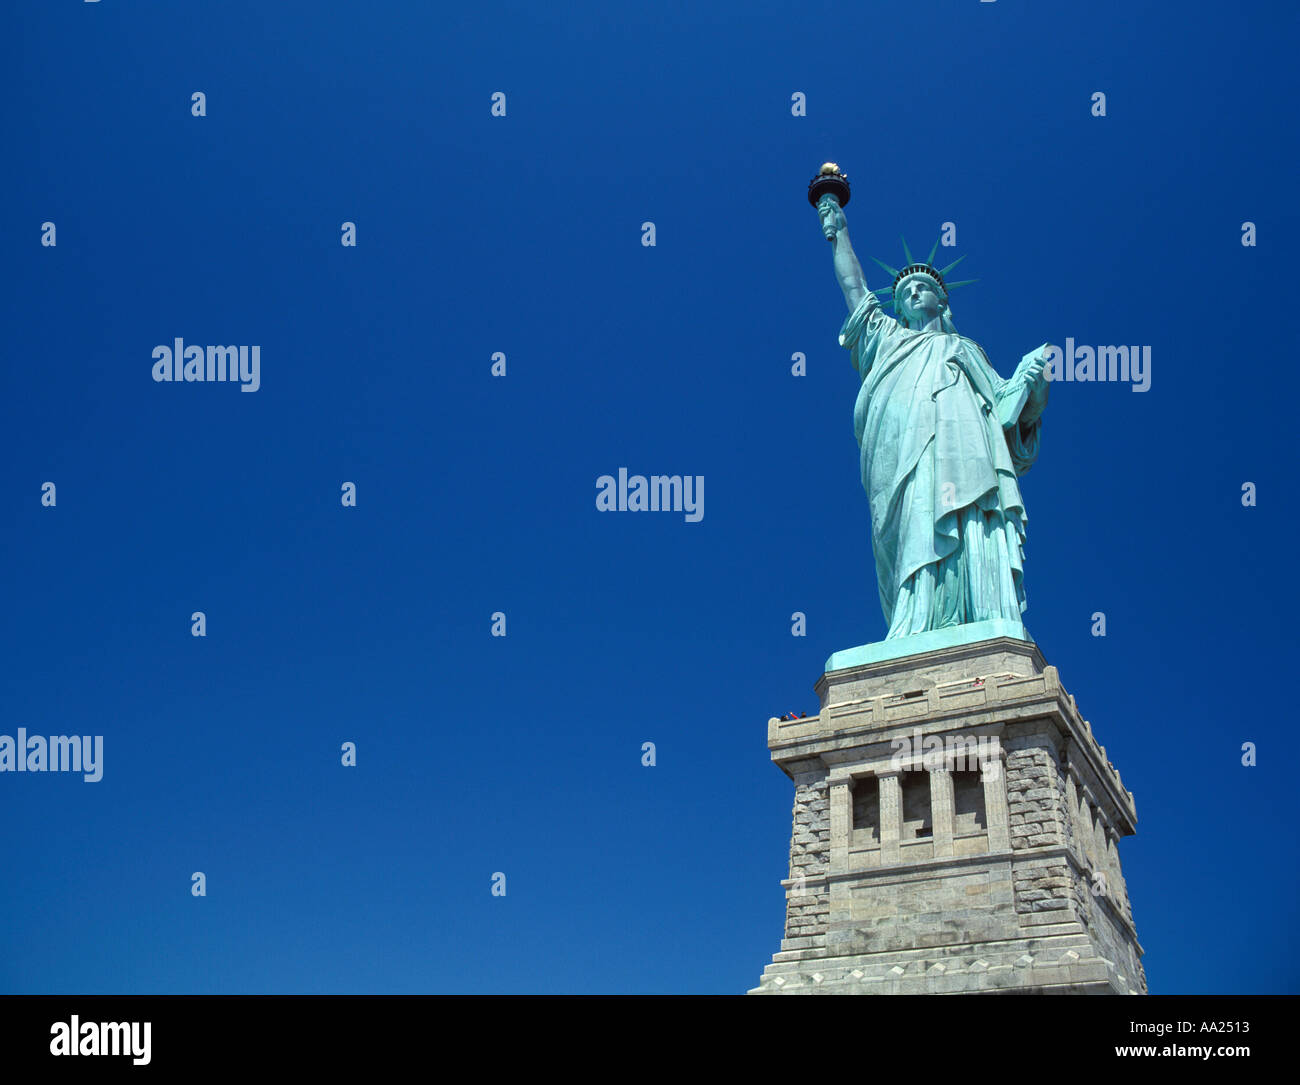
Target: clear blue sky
[[480, 234]]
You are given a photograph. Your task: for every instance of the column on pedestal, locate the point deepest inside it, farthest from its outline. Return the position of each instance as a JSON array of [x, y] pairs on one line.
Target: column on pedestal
[[891, 814], [996, 813], [1087, 835], [839, 894], [1118, 888], [1072, 791], [841, 818], [941, 810]]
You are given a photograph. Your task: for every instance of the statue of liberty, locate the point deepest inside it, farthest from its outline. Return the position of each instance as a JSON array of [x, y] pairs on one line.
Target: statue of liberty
[[942, 441]]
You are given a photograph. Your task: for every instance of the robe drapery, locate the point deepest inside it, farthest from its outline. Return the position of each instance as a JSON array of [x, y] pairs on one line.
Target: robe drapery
[[947, 518]]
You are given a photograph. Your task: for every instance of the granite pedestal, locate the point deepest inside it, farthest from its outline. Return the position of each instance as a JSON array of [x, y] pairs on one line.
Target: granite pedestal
[[956, 830]]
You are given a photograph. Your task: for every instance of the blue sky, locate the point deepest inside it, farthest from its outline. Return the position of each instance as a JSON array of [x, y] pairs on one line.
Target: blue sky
[[522, 234]]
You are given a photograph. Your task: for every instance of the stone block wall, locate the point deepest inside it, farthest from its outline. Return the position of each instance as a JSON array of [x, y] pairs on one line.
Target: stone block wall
[[1002, 893], [1036, 801], [808, 900]]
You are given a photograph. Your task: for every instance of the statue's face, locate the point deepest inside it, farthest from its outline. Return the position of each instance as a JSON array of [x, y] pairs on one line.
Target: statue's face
[[919, 299]]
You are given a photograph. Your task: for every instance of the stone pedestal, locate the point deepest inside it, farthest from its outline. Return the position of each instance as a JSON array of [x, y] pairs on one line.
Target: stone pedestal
[[955, 831]]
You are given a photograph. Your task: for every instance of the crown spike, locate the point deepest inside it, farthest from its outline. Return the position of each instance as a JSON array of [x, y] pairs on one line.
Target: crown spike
[[944, 271], [907, 253], [893, 271], [964, 282], [930, 259]]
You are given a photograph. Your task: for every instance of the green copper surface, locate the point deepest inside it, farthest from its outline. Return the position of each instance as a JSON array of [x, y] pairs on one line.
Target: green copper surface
[[928, 641], [943, 441]]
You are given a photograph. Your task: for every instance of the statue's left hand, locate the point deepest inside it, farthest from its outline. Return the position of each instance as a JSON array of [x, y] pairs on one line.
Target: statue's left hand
[[1034, 375]]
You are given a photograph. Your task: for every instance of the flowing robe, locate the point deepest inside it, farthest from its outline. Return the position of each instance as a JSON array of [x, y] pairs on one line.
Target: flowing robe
[[940, 470]]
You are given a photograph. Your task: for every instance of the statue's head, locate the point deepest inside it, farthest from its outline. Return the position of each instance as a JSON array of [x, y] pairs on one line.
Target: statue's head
[[920, 292], [919, 298]]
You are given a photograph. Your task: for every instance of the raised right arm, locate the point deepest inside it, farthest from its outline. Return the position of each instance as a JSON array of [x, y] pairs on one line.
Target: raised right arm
[[847, 269]]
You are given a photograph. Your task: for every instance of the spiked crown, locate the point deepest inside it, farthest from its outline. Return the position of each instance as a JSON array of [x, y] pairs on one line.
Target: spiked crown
[[918, 267]]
